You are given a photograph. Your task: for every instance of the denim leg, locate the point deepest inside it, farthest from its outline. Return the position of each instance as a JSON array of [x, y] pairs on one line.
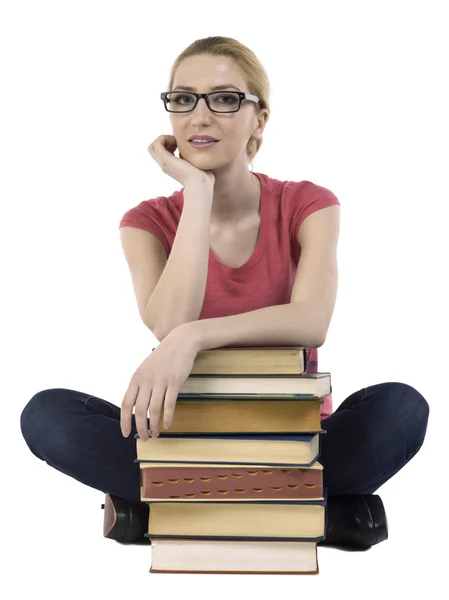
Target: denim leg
[[80, 435], [371, 436]]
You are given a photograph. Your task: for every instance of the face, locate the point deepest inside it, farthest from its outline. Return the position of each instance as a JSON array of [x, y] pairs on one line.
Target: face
[[233, 130]]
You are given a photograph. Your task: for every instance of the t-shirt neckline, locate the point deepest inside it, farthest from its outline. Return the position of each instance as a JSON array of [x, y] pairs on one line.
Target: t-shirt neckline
[[260, 248]]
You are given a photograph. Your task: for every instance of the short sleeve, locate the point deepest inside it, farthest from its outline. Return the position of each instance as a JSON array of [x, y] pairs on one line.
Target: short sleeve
[[309, 198], [148, 216]]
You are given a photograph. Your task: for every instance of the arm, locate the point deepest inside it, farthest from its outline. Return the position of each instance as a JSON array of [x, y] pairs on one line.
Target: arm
[[303, 322], [294, 324], [179, 294]]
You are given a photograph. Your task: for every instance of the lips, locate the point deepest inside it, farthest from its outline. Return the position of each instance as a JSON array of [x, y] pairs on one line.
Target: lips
[[203, 138], [203, 145]]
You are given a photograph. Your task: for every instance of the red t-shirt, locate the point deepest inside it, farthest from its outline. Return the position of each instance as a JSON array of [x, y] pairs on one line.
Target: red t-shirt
[[267, 278]]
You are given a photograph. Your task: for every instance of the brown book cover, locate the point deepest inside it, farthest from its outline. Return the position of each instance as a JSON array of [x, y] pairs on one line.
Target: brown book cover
[[226, 415], [257, 360], [229, 483], [180, 555]]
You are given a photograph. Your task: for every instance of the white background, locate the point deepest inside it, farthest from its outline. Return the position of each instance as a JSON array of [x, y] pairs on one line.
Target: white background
[[80, 105]]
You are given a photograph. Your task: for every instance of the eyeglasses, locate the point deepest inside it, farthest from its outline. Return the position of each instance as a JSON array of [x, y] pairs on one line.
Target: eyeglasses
[[219, 102]]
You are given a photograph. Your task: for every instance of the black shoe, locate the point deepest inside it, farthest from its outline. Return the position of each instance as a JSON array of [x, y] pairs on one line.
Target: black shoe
[[125, 521], [355, 521]]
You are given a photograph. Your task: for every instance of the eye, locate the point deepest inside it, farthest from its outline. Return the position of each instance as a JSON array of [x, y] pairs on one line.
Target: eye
[[226, 99], [178, 98]]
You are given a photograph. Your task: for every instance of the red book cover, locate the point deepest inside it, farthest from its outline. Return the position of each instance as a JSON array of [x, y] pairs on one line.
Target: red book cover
[[231, 483]]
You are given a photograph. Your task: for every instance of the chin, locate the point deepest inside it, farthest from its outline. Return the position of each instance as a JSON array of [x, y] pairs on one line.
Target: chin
[[201, 162]]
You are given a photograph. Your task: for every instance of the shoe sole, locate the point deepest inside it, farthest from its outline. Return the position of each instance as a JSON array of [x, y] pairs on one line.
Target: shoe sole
[[377, 511], [126, 522], [116, 518]]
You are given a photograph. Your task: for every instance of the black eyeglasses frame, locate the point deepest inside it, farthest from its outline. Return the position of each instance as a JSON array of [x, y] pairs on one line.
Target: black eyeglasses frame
[[242, 96]]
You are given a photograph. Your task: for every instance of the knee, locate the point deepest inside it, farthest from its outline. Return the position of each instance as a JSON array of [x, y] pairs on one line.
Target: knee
[[412, 407], [36, 416], [415, 415], [414, 404], [401, 404]]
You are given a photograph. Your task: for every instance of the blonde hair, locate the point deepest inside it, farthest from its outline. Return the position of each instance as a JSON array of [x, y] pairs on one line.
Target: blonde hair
[[255, 74]]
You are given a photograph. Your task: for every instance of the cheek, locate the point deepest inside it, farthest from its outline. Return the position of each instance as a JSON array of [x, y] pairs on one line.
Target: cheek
[[242, 131], [176, 128]]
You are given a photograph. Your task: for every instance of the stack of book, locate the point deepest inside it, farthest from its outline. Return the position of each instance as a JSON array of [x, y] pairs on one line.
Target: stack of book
[[235, 486]]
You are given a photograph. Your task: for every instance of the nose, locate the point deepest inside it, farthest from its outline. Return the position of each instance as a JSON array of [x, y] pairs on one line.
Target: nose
[[201, 110]]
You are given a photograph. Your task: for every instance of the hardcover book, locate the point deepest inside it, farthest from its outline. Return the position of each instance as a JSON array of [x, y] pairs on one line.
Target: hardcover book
[[304, 520], [207, 482], [272, 450], [233, 556]]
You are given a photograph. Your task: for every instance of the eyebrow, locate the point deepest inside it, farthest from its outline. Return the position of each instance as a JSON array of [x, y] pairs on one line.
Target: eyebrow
[[225, 86]]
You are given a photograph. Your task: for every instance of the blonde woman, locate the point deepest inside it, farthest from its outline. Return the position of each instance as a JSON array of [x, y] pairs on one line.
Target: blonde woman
[[233, 258]]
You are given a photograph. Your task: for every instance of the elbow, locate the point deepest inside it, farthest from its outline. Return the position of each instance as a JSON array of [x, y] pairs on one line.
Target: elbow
[[312, 341], [319, 337], [154, 330], [159, 335], [320, 341], [320, 328], [312, 327]]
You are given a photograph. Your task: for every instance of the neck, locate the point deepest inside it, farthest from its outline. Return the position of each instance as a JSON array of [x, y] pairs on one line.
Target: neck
[[236, 196]]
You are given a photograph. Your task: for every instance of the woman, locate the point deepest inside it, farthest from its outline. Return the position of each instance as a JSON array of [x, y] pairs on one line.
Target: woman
[[247, 256]]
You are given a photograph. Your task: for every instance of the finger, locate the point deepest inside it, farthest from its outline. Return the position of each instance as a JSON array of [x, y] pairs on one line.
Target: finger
[[126, 409], [159, 154], [141, 411], [171, 395], [152, 148], [169, 143], [157, 399], [165, 143]]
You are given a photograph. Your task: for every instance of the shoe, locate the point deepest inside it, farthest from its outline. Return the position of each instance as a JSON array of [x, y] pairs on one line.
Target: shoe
[[125, 521], [356, 521]]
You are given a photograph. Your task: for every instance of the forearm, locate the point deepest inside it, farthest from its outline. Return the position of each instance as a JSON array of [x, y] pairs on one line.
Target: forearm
[[179, 294], [294, 324]]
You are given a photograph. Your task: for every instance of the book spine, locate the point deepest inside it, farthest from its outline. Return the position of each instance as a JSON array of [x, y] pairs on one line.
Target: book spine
[[247, 538], [236, 572]]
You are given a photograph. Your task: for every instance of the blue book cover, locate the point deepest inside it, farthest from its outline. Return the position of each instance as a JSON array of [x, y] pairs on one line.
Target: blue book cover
[[300, 438], [287, 437]]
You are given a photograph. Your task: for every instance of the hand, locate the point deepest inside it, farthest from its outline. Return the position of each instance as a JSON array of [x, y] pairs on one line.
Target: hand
[[163, 151], [158, 380]]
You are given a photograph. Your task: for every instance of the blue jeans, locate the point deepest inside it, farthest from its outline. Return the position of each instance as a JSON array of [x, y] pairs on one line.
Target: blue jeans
[[369, 438]]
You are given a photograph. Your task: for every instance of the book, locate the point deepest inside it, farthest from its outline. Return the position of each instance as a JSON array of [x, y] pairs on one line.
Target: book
[[229, 482], [251, 360], [232, 556], [223, 415], [289, 450], [312, 384], [304, 520], [235, 485]]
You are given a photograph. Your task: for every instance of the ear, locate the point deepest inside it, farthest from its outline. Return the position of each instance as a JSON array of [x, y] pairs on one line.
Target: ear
[[262, 119]]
